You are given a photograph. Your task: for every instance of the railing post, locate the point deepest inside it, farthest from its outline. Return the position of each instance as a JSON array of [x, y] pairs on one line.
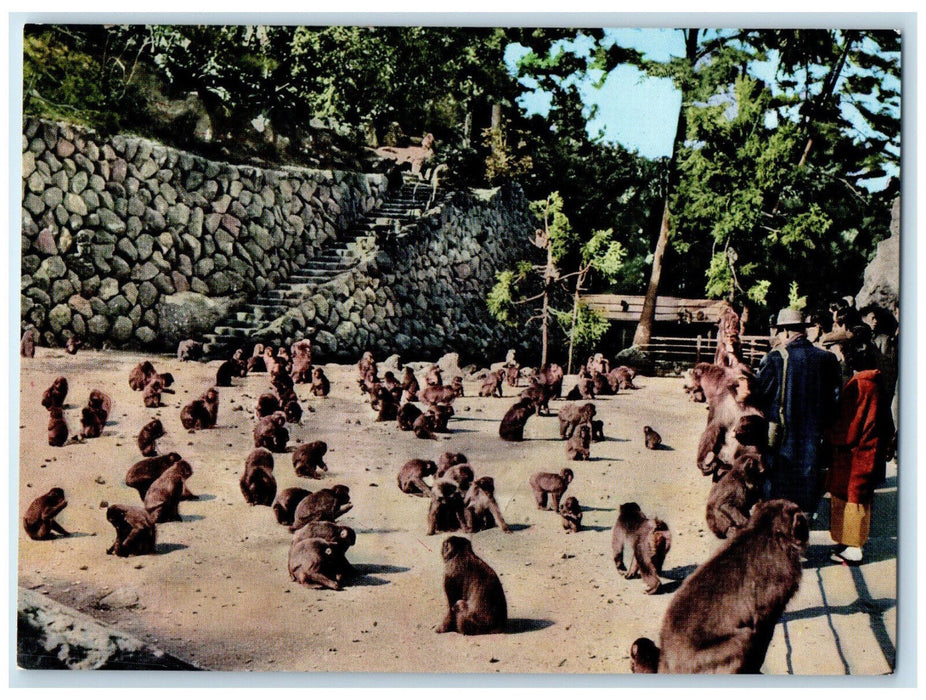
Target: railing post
[[698, 351]]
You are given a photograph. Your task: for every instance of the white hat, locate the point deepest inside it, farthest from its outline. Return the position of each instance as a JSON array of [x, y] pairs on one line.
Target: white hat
[[790, 318]]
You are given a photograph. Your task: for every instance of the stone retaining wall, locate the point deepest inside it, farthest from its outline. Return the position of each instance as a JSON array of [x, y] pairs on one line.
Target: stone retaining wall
[[109, 225]]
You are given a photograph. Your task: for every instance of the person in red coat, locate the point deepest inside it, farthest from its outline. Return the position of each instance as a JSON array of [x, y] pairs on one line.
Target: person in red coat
[[859, 440]]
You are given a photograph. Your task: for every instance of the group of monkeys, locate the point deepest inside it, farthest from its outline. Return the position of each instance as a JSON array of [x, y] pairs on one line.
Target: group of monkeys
[[712, 624]]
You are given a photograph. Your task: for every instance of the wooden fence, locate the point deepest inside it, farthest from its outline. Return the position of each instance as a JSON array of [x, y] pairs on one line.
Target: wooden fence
[[687, 352]]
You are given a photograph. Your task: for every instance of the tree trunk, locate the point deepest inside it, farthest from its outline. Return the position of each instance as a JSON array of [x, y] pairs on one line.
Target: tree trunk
[[545, 320], [575, 320]]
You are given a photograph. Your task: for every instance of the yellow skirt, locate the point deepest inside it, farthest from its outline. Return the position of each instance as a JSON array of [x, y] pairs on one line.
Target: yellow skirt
[[849, 522]]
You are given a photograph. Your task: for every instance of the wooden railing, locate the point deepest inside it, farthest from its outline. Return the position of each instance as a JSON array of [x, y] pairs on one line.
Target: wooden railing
[[687, 352]]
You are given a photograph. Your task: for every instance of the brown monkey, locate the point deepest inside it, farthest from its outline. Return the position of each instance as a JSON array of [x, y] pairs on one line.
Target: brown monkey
[[152, 392], [449, 459], [315, 562], [511, 428], [733, 496], [100, 403], [457, 385], [201, 413], [228, 369], [600, 384], [327, 504], [188, 350], [732, 429], [145, 472], [621, 378], [571, 415], [512, 376], [434, 377], [56, 393], [651, 438], [57, 428], [719, 622], [366, 364], [445, 513], [148, 436], [492, 384], [270, 432], [577, 447], [475, 598], [90, 424], [166, 492], [321, 386], [459, 475], [543, 483], [649, 541], [393, 386], [258, 485], [27, 344], [410, 385], [292, 408], [136, 532], [481, 510], [256, 361], [424, 427], [584, 388], [328, 531], [551, 375], [308, 458], [436, 394], [141, 374], [39, 520], [644, 656], [384, 403], [73, 344], [284, 505], [411, 477], [406, 416], [302, 361], [539, 396], [571, 512], [441, 415], [267, 405], [598, 431]]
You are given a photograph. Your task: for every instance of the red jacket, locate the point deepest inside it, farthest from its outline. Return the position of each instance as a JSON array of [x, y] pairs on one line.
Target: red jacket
[[859, 439]]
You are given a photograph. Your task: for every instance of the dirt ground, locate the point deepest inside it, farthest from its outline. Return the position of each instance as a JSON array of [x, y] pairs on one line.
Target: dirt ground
[[217, 592]]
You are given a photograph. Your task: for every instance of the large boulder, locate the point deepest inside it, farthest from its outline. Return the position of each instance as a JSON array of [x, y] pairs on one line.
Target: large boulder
[[52, 636], [882, 276], [190, 315]]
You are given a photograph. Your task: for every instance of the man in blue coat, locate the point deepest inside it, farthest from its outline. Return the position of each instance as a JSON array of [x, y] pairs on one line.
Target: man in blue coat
[[802, 408]]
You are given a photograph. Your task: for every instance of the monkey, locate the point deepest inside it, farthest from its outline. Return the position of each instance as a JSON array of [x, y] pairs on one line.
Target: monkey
[[475, 598], [195, 415], [285, 503], [227, 370], [551, 375], [598, 363], [145, 472], [424, 427], [393, 386], [543, 483], [100, 403], [366, 364], [270, 432], [621, 378], [136, 532], [73, 344], [273, 363], [91, 425], [649, 541], [188, 350], [513, 376], [600, 384], [267, 405], [284, 363], [411, 477], [511, 428], [598, 431], [166, 492], [292, 409], [492, 384], [258, 485], [384, 403], [39, 521], [410, 385], [733, 496], [256, 361], [539, 396], [281, 381], [141, 374], [315, 562], [210, 401], [460, 476], [584, 388], [434, 377], [308, 458], [148, 436], [302, 361], [436, 394], [57, 428], [328, 531], [152, 392], [712, 382], [577, 447], [457, 385], [571, 513], [445, 513], [733, 428], [571, 415], [406, 416], [28, 342], [321, 386], [722, 622], [441, 415], [327, 504], [651, 438], [55, 394], [644, 656], [448, 460], [481, 510]]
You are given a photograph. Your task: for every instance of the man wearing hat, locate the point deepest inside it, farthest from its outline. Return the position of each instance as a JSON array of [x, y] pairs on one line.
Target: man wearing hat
[[798, 390]]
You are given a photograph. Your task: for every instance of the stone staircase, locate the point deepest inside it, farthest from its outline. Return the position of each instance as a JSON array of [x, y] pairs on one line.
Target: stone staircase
[[400, 211]]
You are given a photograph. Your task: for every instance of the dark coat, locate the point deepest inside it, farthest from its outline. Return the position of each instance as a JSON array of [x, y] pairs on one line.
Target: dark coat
[[810, 403], [859, 439]]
